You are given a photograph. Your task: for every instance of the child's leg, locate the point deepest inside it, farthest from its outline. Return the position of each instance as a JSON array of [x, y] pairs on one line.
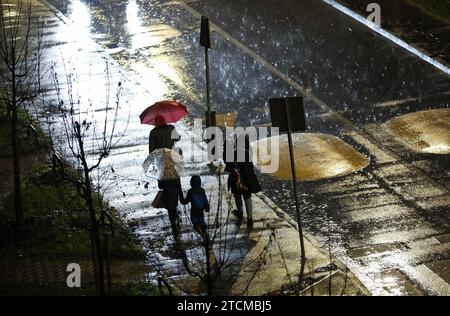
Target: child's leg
[[199, 224], [204, 230], [198, 228]]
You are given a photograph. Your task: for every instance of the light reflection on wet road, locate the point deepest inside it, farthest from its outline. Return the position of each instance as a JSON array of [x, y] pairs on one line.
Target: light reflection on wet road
[[400, 201]]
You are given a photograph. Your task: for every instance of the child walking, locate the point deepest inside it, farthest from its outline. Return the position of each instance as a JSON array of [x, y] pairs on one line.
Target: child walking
[[199, 204]]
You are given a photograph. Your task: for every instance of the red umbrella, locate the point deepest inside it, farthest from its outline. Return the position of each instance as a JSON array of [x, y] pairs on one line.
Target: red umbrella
[[163, 112]]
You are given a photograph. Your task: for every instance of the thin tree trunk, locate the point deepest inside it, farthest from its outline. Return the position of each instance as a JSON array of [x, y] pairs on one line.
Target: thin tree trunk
[[95, 264], [209, 282], [98, 259], [108, 264], [97, 243], [16, 170]]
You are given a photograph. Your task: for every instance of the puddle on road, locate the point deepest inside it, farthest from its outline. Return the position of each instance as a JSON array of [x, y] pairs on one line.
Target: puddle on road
[[10, 14], [396, 283], [154, 35], [317, 156], [142, 36], [424, 131], [441, 268]]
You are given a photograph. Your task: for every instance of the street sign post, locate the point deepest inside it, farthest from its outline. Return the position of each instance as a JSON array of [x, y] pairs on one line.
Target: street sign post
[[288, 115], [212, 116]]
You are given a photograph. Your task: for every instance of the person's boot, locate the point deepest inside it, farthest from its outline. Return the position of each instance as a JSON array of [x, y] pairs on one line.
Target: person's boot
[[238, 214], [250, 224], [176, 227]]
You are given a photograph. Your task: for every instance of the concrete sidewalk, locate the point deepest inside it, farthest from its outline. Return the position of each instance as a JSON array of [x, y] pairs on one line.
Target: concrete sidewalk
[[277, 271], [270, 253], [266, 259]]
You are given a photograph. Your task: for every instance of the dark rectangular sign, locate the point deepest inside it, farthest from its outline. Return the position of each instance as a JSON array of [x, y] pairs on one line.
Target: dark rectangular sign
[[295, 111]]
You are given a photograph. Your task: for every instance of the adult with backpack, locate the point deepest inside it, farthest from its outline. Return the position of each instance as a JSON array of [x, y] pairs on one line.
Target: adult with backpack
[[242, 180]]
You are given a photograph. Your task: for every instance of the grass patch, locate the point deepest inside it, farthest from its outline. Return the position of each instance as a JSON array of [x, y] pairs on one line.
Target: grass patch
[[57, 222], [54, 289], [30, 140], [56, 230]]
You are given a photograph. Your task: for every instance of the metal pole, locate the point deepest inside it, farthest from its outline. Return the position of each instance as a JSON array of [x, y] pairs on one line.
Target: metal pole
[[208, 93], [297, 203]]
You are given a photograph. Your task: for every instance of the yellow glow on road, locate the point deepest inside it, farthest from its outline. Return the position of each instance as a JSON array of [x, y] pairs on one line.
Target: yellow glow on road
[[424, 131], [317, 156]]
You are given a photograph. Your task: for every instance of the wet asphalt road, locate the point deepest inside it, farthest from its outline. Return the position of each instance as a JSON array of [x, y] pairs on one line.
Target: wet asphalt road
[[389, 221], [427, 32]]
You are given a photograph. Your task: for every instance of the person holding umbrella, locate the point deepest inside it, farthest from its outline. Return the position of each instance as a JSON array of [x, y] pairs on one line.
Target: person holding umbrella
[[161, 141], [162, 136], [169, 183], [160, 115]]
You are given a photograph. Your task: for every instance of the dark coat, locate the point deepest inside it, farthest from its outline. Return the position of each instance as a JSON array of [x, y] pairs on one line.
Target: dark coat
[[245, 168], [248, 178], [195, 212], [172, 193], [161, 137]]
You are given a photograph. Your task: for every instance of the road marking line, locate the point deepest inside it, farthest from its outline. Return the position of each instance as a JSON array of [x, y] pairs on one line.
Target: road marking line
[[388, 35], [308, 94], [393, 156], [395, 102], [254, 55]]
